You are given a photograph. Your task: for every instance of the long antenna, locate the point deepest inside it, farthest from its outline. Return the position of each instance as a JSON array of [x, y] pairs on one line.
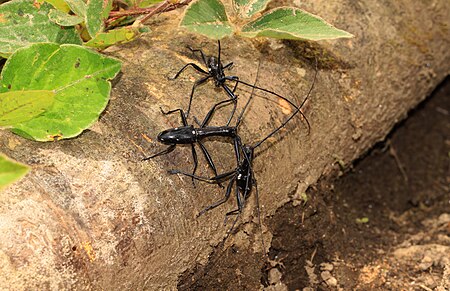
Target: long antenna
[[218, 56], [251, 95], [293, 114], [267, 91]]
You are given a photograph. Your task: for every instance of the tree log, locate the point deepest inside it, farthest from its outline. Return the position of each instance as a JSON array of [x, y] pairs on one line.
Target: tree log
[[93, 215]]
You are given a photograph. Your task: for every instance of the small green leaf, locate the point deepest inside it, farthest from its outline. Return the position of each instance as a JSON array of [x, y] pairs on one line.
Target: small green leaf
[[207, 17], [10, 171], [78, 7], [64, 19], [304, 197], [362, 220], [116, 36], [21, 106], [248, 8], [78, 76], [61, 5], [292, 23], [22, 23], [96, 12]]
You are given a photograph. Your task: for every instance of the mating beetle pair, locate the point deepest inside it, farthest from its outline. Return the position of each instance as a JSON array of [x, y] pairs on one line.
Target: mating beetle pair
[[242, 176]]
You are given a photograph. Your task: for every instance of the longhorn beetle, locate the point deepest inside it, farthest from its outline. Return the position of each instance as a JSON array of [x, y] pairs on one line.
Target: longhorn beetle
[[188, 134], [216, 71], [242, 175]]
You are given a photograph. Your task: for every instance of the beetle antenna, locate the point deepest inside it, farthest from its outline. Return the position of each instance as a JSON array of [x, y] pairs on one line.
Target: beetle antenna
[[297, 110], [251, 95], [218, 55]]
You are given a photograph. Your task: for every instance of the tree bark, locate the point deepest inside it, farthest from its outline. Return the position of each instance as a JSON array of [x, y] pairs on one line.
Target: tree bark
[[92, 215]]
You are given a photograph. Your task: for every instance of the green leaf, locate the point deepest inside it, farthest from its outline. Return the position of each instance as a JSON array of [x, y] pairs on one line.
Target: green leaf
[[21, 106], [362, 220], [96, 12], [10, 171], [248, 8], [292, 23], [107, 7], [64, 19], [22, 23], [207, 17], [78, 76], [61, 5], [78, 7], [117, 36]]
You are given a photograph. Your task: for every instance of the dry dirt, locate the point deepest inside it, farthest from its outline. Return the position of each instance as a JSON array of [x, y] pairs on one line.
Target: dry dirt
[[383, 224]]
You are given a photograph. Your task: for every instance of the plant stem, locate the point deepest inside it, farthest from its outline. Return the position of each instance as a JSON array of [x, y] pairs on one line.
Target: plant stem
[[164, 6]]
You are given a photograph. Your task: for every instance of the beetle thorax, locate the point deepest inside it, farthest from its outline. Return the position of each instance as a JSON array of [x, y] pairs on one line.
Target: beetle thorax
[[178, 135]]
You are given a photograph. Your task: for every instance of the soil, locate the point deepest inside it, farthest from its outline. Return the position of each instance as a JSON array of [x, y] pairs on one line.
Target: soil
[[382, 223]]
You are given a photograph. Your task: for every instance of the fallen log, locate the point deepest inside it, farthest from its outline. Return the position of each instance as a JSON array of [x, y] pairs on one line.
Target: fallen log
[[92, 215]]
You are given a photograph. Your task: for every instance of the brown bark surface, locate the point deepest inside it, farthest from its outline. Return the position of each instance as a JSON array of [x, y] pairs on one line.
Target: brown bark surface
[[92, 215]]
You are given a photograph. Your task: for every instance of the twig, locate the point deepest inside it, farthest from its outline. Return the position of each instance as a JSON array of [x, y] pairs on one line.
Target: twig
[[400, 166], [164, 6], [425, 287]]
